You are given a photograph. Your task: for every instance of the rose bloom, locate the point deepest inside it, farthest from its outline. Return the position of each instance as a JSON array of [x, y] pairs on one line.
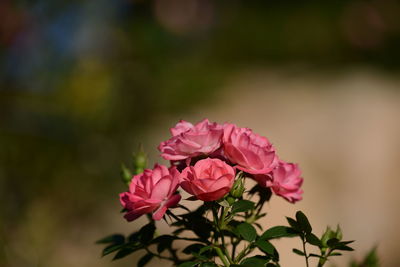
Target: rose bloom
[[285, 181], [190, 140], [208, 180], [152, 191], [251, 152]]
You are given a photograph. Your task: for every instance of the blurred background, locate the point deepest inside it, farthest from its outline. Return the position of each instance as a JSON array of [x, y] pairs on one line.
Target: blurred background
[[82, 83]]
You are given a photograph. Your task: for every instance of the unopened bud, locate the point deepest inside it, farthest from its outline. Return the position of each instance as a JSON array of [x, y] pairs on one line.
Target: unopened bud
[[126, 174], [230, 200], [237, 188], [139, 161], [327, 235]]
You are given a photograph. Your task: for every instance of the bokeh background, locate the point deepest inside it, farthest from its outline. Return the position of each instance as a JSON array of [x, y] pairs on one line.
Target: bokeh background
[[83, 83]]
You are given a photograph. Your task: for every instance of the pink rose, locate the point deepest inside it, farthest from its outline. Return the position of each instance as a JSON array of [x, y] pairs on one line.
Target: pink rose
[[190, 140], [285, 181], [252, 153], [208, 180], [151, 191]]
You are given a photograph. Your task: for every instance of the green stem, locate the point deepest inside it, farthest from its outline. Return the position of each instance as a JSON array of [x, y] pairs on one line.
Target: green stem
[[221, 256], [323, 260], [243, 253], [234, 245], [305, 251]]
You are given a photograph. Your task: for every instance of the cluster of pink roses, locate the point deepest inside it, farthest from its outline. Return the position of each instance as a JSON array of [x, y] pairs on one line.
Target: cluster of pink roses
[[205, 159]]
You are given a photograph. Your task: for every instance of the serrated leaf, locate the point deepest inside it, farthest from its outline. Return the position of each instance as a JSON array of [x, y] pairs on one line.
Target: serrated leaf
[[242, 206], [144, 260], [247, 231], [265, 246], [303, 222], [278, 232], [115, 239], [298, 252]]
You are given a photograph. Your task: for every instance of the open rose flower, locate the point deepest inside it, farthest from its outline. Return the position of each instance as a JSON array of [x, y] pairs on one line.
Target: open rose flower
[[208, 180], [152, 191], [190, 140], [252, 153], [285, 181]]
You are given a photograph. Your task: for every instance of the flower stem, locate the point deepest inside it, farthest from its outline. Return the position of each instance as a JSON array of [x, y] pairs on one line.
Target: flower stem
[[221, 256], [305, 251]]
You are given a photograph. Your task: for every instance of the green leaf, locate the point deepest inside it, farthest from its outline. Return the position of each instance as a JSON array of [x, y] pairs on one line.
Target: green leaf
[[256, 261], [134, 237], [224, 203], [115, 239], [295, 225], [315, 255], [147, 233], [193, 248], [188, 264], [247, 231], [313, 240], [265, 246], [335, 254], [126, 251], [204, 249], [278, 232], [303, 221], [344, 248], [144, 260], [242, 206], [298, 252], [333, 242], [112, 248], [164, 242]]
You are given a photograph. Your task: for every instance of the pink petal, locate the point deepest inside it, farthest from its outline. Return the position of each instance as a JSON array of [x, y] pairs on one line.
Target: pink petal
[[161, 189]]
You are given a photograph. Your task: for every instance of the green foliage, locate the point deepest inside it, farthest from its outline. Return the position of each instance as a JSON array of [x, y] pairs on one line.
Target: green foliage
[[329, 242], [278, 232], [247, 231], [233, 218], [242, 206]]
